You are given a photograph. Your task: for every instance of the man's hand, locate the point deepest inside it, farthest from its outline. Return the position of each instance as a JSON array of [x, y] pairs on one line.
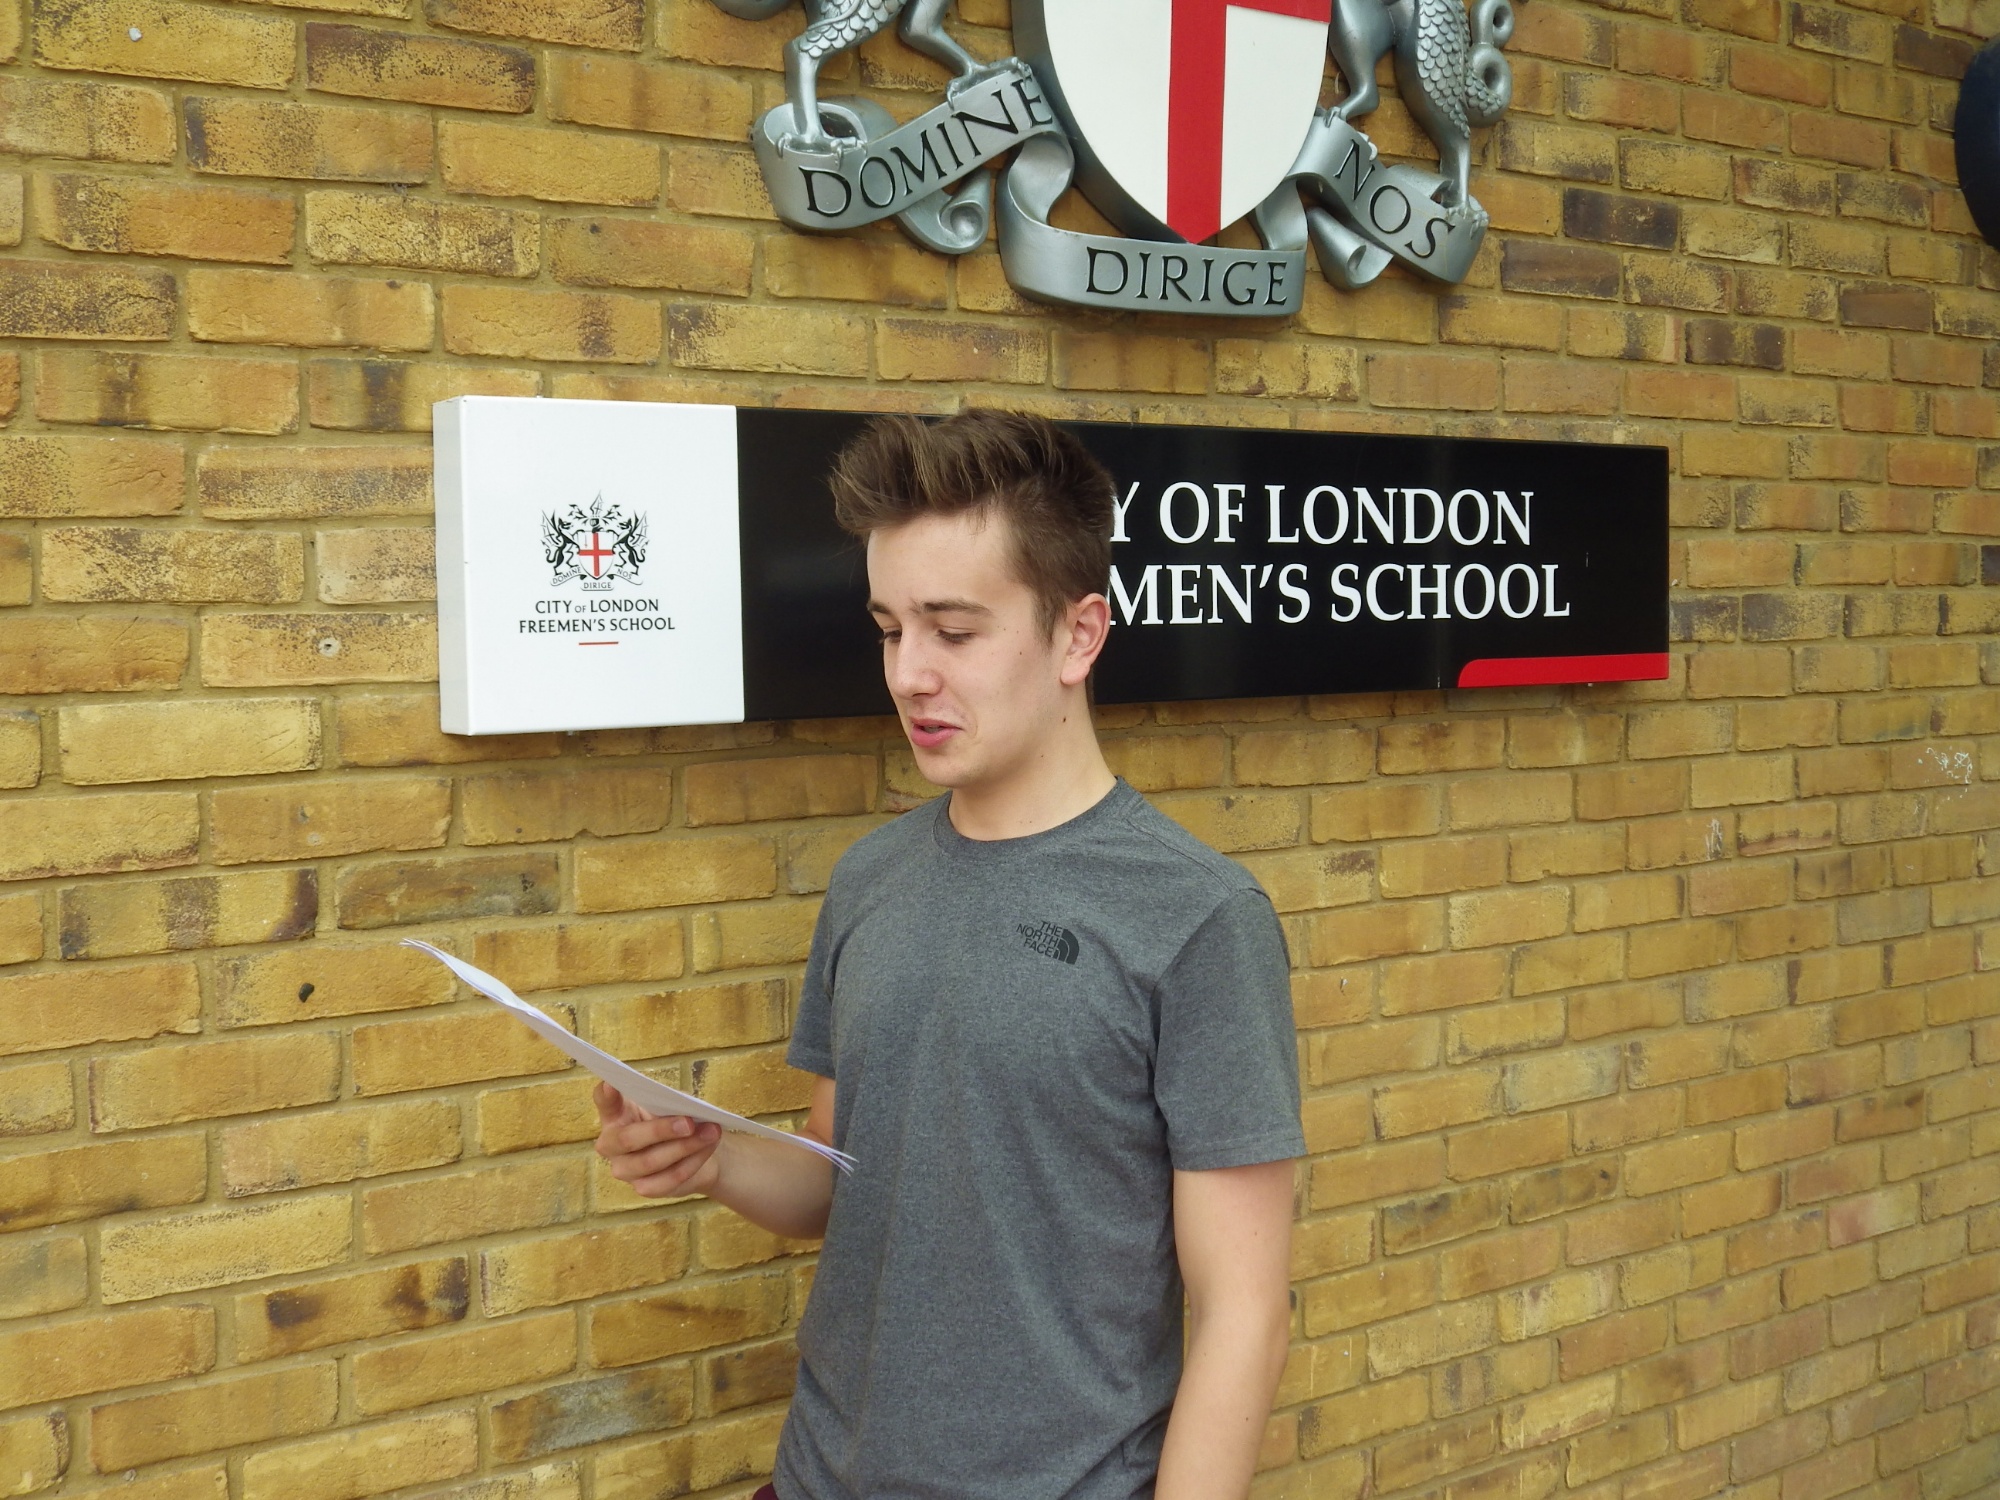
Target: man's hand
[[658, 1156]]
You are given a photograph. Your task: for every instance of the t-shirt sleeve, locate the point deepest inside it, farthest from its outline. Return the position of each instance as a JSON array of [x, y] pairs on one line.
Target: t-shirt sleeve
[[811, 1046], [1226, 1072]]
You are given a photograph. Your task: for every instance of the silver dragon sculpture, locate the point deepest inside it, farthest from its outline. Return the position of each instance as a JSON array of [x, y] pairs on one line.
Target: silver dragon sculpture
[[1449, 69], [832, 27]]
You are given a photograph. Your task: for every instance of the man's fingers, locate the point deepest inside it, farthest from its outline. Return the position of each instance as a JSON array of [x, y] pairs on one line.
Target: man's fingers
[[610, 1104]]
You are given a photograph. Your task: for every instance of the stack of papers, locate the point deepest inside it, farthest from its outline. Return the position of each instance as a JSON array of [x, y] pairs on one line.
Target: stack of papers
[[652, 1096]]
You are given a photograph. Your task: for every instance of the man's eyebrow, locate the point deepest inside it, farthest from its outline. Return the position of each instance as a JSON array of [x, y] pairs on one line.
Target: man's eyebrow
[[935, 607]]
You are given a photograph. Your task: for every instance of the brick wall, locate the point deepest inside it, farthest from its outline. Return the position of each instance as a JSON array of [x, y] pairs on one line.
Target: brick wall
[[1651, 1034]]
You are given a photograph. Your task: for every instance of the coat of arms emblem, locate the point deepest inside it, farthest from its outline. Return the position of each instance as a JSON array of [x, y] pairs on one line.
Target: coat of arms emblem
[[1175, 118], [599, 544]]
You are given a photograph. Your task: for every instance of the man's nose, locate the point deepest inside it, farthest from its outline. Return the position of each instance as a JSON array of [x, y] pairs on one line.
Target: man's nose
[[911, 673]]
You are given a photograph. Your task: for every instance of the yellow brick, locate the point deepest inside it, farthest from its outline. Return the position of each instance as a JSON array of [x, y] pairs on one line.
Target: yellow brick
[[271, 484], [165, 1085], [50, 477], [314, 1314], [396, 396], [96, 835], [42, 1274], [369, 1460], [1130, 362], [597, 326], [82, 1355], [418, 69], [645, 253], [280, 650], [570, 1268], [1507, 916], [34, 1451], [608, 24], [679, 872], [686, 1319], [35, 1099], [539, 1114], [664, 98], [177, 741], [750, 936], [576, 953], [692, 1020], [437, 890], [751, 1083], [172, 40], [486, 1200], [715, 1454], [313, 312], [560, 166], [439, 1366], [68, 300], [106, 564], [72, 1008], [1380, 811], [268, 1156], [92, 121], [1429, 1104], [257, 138], [538, 807], [724, 792], [1462, 745], [778, 340], [1237, 821], [315, 820], [1253, 367], [17, 569], [372, 229], [167, 391], [1303, 757], [1440, 865], [135, 216], [20, 749], [214, 1247], [220, 1414], [931, 349], [874, 271], [375, 565], [1377, 1408], [314, 980], [588, 1411], [436, 1051]]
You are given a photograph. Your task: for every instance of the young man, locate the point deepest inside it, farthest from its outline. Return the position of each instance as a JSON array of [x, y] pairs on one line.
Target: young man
[[1053, 1029]]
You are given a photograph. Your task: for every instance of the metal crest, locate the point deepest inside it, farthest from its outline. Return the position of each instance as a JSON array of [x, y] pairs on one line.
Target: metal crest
[[1175, 118]]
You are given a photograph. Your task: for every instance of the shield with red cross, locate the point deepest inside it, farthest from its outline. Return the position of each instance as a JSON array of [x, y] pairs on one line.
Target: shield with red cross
[[1185, 114]]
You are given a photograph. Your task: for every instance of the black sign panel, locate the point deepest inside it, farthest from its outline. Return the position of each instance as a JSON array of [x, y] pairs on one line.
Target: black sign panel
[[1252, 563]]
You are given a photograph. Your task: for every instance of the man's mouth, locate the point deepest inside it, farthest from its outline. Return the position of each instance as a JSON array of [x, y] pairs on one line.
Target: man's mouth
[[928, 734]]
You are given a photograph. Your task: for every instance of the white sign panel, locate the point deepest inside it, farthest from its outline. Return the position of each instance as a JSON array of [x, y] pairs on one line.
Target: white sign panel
[[588, 575]]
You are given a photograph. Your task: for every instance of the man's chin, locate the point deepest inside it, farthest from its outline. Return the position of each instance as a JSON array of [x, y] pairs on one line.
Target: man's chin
[[942, 765]]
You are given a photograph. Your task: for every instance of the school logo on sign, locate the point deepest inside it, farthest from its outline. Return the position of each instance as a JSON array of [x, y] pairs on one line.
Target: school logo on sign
[[600, 545], [1176, 119]]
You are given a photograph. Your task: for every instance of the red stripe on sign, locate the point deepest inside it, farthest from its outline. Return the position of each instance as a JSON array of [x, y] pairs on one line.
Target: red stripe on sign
[[597, 643], [1535, 671]]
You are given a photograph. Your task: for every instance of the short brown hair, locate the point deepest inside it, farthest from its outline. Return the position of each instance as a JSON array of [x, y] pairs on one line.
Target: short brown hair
[[1055, 495]]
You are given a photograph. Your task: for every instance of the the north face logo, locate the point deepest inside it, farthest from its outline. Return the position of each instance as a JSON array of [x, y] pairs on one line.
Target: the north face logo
[[1049, 940]]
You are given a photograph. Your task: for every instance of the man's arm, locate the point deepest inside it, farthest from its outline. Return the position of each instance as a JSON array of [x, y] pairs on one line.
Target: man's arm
[[775, 1186], [1233, 1235]]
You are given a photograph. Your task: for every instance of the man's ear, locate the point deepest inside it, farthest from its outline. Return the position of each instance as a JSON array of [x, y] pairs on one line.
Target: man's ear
[[1082, 631]]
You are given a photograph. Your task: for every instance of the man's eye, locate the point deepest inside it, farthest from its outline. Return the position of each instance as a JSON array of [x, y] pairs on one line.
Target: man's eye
[[955, 637], [890, 637]]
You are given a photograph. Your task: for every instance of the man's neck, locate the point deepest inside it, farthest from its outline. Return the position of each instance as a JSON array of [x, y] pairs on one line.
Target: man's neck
[[1065, 778]]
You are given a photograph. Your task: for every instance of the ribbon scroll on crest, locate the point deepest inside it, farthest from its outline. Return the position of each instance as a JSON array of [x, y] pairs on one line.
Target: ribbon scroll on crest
[[841, 164]]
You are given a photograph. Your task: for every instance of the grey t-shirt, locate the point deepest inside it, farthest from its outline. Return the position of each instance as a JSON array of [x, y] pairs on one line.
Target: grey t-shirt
[[1029, 1036]]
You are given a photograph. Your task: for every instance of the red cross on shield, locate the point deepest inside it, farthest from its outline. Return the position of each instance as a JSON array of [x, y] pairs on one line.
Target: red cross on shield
[[1186, 114], [596, 552]]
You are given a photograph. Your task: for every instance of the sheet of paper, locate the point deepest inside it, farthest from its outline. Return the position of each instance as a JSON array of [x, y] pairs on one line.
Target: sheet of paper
[[649, 1094]]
